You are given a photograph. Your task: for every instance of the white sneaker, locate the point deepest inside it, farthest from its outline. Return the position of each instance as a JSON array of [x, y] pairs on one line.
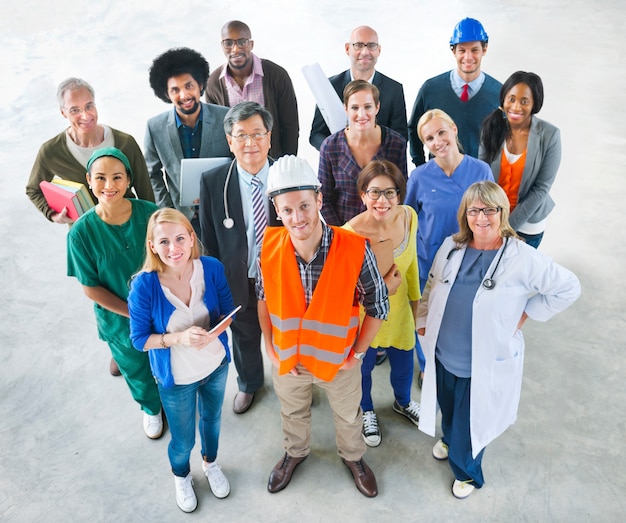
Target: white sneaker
[[462, 489], [217, 481], [371, 430], [185, 496], [153, 425], [440, 451]]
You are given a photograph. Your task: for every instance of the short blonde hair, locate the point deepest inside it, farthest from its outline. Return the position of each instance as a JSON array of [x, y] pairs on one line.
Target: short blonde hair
[[491, 195], [153, 262]]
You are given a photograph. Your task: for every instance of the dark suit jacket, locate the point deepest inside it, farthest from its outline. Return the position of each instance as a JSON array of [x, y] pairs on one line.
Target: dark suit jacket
[[230, 246], [392, 107]]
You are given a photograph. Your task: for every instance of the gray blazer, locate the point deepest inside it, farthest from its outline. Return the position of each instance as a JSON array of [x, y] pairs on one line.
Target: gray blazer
[[543, 157], [163, 152]]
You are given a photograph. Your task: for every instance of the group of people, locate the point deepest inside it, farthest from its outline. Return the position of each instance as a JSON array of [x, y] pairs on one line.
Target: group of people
[[332, 270]]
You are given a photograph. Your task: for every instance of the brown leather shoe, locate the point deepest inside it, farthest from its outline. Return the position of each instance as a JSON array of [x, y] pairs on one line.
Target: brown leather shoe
[[363, 477], [282, 472], [242, 402], [114, 369]]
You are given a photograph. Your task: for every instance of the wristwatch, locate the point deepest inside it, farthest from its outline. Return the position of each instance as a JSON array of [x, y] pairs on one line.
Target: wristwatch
[[359, 355]]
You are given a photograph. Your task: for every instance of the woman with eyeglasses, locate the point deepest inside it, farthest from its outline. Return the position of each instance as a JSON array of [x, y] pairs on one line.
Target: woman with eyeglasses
[[345, 153], [524, 153], [435, 189], [483, 285], [381, 187]]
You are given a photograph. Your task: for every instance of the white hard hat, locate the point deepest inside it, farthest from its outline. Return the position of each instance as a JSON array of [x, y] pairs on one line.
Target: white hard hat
[[290, 173]]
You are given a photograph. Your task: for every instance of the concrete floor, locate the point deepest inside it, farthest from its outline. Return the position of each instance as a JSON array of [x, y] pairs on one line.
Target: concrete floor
[[71, 443]]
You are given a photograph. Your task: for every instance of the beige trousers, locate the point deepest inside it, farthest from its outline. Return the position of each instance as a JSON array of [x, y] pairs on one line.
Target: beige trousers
[[344, 396]]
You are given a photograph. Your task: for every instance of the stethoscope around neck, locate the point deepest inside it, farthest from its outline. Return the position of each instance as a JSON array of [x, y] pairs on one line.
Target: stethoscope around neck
[[228, 222], [488, 283]]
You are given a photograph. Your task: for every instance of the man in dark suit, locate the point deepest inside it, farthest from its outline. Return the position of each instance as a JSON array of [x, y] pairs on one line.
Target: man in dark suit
[[364, 50], [230, 232], [192, 130]]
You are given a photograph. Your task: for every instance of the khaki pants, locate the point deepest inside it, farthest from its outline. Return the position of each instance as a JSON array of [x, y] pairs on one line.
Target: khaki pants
[[344, 395]]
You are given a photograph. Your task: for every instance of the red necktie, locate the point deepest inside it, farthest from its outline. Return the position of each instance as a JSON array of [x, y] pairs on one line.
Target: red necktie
[[465, 94]]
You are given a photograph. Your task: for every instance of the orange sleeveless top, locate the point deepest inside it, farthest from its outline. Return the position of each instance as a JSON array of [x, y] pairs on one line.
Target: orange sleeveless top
[[511, 176]]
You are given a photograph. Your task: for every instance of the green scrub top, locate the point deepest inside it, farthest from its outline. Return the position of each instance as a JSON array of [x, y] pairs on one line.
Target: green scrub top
[[99, 254]]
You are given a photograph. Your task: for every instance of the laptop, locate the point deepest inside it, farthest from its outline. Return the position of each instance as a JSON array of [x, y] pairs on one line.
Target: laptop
[[191, 170]]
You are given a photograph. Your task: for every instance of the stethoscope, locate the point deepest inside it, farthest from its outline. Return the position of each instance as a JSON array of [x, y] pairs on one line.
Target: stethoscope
[[228, 222], [488, 283]]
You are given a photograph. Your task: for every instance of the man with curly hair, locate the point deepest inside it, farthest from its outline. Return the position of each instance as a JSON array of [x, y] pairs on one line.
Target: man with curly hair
[[192, 130]]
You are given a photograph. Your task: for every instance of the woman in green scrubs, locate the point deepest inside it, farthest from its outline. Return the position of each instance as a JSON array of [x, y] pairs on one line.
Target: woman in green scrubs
[[105, 247]]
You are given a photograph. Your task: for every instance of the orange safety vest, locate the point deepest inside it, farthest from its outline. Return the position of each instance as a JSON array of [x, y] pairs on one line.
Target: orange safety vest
[[319, 336]]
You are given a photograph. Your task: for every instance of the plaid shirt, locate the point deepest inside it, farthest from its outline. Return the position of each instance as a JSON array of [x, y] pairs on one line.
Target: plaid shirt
[[338, 171], [371, 290]]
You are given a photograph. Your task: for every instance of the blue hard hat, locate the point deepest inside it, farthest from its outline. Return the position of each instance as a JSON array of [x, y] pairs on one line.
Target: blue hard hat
[[468, 30]]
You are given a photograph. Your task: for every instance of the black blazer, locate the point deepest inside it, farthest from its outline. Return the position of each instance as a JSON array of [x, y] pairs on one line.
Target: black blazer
[[392, 107], [230, 246]]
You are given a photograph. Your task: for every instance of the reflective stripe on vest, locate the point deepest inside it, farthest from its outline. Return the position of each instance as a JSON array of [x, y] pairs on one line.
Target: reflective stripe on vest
[[321, 335]]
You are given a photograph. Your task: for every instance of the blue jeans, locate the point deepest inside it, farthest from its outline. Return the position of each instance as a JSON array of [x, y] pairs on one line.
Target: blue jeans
[[401, 376], [179, 404]]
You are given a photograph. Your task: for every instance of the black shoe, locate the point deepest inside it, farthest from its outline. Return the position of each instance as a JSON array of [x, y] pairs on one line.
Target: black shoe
[[381, 357]]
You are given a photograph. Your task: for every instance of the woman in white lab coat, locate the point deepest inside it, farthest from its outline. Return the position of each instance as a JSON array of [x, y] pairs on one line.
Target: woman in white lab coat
[[483, 285]]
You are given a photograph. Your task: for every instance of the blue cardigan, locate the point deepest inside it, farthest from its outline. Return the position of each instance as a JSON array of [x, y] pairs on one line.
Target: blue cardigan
[[150, 312]]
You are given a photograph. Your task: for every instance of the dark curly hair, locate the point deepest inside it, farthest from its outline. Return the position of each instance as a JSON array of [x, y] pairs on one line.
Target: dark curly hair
[[175, 62]]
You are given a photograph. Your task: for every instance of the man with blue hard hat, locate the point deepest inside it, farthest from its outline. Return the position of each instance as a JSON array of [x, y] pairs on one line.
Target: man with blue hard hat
[[466, 93]]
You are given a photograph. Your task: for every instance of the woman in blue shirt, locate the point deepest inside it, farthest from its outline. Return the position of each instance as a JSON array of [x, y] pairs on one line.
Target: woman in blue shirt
[[435, 188]]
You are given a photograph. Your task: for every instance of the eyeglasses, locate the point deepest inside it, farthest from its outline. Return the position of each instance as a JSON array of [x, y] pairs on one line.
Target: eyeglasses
[[372, 46], [255, 137], [229, 43], [390, 194], [487, 211], [75, 111]]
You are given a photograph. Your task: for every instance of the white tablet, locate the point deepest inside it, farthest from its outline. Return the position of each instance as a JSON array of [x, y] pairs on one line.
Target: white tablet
[[220, 327], [191, 170]]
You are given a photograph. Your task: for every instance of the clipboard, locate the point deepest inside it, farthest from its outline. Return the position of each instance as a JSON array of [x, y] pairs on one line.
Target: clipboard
[[383, 250], [222, 325]]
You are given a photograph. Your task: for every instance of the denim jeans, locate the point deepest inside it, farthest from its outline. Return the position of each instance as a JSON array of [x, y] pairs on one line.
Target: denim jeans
[[179, 404]]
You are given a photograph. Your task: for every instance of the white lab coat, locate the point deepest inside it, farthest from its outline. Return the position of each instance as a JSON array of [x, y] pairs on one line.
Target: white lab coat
[[526, 280]]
